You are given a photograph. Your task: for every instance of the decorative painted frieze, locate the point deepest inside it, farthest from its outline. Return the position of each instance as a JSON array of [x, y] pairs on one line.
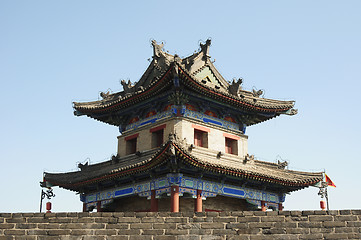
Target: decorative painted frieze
[[187, 185]]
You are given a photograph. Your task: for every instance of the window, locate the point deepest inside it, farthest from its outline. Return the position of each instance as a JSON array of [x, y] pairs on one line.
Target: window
[[157, 138], [157, 135], [231, 146], [131, 144], [200, 138]]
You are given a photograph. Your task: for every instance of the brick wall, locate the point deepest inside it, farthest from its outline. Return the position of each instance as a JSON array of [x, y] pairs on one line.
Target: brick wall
[[342, 224]]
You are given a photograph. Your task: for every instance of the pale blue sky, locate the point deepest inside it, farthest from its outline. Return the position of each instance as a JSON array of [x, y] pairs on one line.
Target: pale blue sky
[[56, 52]]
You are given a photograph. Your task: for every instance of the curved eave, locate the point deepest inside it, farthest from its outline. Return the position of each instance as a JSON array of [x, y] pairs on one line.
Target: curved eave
[[249, 104], [116, 104], [312, 178], [156, 160], [162, 156]]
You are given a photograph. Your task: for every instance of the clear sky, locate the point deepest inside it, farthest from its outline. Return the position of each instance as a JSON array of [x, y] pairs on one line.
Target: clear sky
[[55, 52]]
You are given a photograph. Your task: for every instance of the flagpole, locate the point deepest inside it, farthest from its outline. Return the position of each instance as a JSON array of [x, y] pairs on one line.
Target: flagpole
[[328, 209]]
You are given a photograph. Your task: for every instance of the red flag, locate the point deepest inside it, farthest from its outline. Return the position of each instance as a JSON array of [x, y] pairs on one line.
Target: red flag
[[329, 181]]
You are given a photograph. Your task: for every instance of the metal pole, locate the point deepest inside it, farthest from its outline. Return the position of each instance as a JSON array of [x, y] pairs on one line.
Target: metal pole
[[327, 199], [41, 200]]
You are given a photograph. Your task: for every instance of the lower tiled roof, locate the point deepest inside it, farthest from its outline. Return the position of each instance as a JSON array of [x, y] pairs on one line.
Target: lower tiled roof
[[204, 159]]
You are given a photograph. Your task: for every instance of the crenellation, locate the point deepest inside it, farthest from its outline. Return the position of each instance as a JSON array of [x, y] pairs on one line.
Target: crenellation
[[249, 219], [83, 220], [60, 220], [321, 230], [152, 220], [164, 226], [82, 232], [297, 231], [154, 232], [176, 220], [345, 212], [16, 220], [176, 232], [285, 224], [145, 237], [117, 226], [213, 225], [189, 226], [322, 218], [346, 218], [36, 232], [201, 219], [37, 220], [118, 237], [273, 219], [69, 225], [106, 232], [261, 225], [238, 225], [26, 238], [12, 232], [140, 226], [260, 213], [7, 225], [106, 220], [311, 236], [128, 220], [320, 212], [335, 236], [58, 232], [346, 230], [129, 231], [225, 219], [227, 232], [200, 231], [292, 225]]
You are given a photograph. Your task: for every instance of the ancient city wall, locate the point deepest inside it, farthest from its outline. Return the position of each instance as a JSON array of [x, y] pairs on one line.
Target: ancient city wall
[[342, 224]]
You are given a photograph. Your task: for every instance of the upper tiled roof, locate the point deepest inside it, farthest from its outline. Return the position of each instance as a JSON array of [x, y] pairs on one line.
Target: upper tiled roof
[[196, 73], [199, 158]]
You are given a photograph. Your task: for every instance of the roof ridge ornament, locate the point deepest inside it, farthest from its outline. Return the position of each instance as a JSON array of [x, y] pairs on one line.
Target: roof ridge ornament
[[157, 48], [257, 93], [292, 112], [248, 158], [205, 47], [105, 95], [235, 86], [282, 164], [127, 86]]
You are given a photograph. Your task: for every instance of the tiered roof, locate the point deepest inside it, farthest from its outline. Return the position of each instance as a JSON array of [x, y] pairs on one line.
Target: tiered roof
[[195, 76], [195, 73], [198, 159]]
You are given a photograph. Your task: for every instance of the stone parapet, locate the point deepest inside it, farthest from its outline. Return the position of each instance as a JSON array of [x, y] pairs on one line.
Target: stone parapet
[[335, 224]]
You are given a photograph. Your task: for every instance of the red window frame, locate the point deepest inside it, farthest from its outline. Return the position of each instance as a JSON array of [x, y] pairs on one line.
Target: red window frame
[[198, 138], [231, 146]]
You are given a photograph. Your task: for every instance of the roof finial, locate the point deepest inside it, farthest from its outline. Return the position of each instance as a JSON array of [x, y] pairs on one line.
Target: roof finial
[[157, 48], [205, 47]]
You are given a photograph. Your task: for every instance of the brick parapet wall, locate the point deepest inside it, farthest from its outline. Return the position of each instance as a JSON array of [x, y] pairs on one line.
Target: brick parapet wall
[[336, 224]]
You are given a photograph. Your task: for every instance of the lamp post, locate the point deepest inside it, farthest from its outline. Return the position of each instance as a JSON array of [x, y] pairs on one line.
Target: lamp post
[[48, 194]]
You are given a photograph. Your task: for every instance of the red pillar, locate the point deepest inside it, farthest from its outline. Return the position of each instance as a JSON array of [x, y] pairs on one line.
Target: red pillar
[[263, 206], [280, 207], [99, 206], [174, 199], [153, 202], [198, 202], [84, 207]]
